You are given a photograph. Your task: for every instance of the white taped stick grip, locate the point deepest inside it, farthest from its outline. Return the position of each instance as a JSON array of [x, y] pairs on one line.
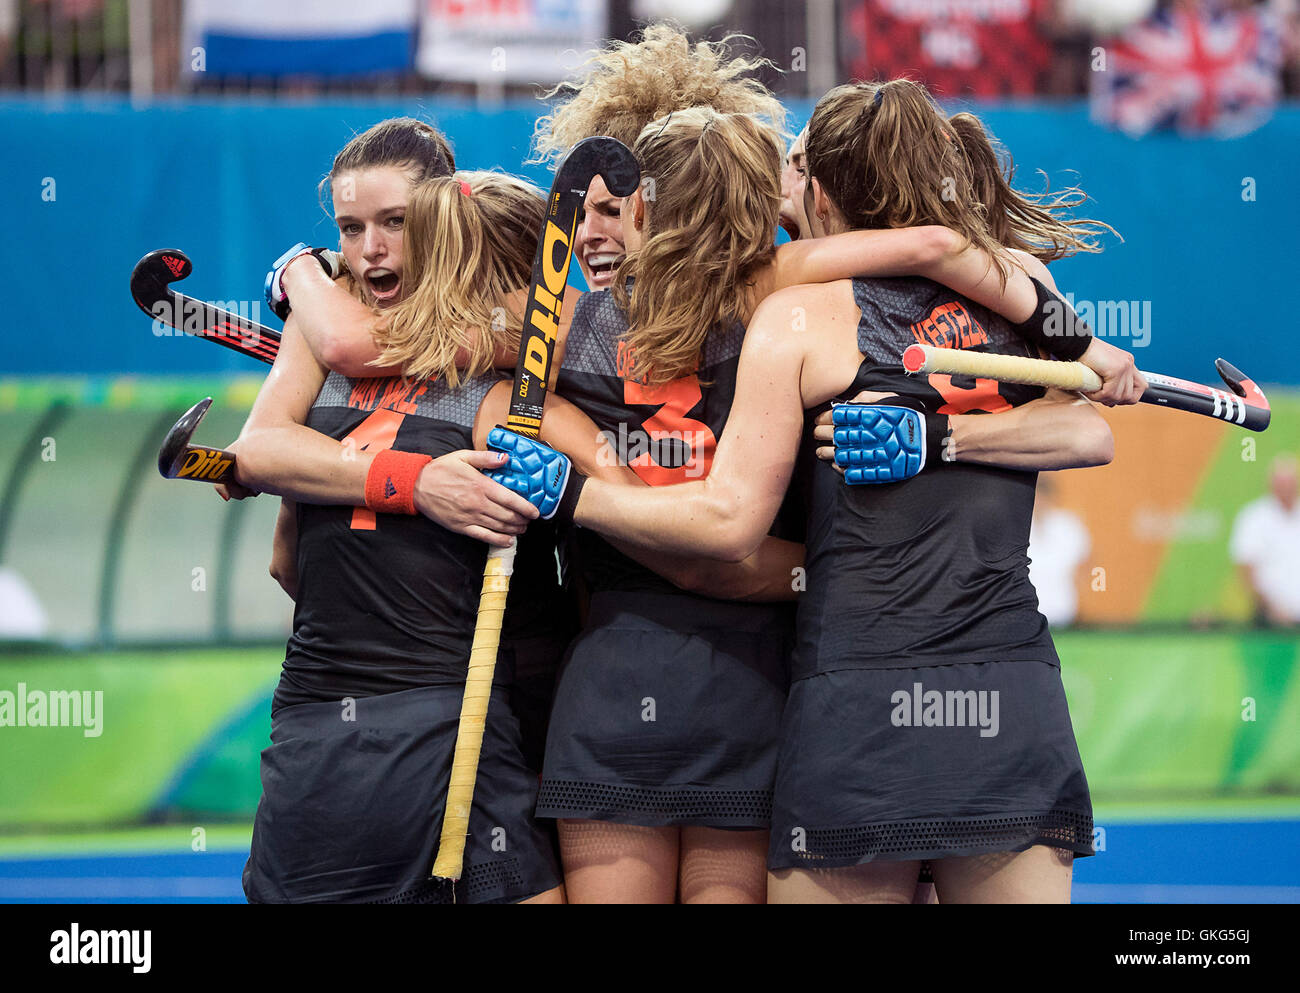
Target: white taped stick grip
[[473, 712], [1004, 368]]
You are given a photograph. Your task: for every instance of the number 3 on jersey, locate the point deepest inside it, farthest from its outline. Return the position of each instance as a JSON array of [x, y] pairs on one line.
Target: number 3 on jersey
[[983, 397], [668, 433]]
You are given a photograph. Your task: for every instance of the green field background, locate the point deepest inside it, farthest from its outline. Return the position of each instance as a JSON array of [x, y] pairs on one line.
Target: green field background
[[139, 575], [1158, 716]]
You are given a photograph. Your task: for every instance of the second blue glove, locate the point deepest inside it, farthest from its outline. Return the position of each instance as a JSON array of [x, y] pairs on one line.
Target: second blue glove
[[885, 442], [537, 472]]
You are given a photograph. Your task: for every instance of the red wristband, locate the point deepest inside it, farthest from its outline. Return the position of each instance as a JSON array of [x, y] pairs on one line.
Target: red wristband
[[390, 483]]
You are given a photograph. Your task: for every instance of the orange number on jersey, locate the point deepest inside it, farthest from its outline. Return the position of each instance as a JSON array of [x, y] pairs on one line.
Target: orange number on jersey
[[983, 396], [380, 431], [669, 423]]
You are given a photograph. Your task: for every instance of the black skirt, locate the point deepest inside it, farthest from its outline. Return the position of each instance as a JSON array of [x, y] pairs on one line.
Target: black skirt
[[927, 763], [351, 810], [667, 711]]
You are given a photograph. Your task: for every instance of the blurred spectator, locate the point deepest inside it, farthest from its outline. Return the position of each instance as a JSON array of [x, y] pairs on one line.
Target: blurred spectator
[[22, 618], [1288, 15], [1265, 545], [8, 28], [1194, 66], [981, 48], [1059, 544]]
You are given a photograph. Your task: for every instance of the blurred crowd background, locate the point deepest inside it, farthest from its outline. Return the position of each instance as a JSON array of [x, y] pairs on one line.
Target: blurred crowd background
[[1196, 64]]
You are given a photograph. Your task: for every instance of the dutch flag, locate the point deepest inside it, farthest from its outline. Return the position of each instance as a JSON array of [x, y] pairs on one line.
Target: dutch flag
[[310, 37]]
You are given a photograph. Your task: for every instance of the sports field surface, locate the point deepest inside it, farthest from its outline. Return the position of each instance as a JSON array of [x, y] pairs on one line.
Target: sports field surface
[[1227, 852]]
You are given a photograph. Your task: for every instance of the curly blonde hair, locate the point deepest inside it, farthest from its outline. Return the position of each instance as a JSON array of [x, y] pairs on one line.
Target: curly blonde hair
[[625, 86]]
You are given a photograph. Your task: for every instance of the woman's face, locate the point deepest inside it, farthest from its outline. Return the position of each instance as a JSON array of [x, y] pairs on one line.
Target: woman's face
[[793, 179], [370, 209], [598, 243]]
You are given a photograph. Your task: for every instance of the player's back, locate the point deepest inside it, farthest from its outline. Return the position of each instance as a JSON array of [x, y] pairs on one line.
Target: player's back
[[667, 434], [935, 567]]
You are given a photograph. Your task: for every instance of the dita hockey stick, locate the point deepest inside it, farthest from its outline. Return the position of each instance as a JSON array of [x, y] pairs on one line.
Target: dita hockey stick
[[152, 293], [1243, 403], [611, 160], [178, 459]]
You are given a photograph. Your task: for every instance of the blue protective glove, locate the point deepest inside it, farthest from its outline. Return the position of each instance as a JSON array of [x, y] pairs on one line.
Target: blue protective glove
[[537, 472], [330, 260], [886, 442]]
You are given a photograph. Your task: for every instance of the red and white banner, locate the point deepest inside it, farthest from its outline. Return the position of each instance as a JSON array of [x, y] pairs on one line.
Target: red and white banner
[[515, 41], [982, 48]]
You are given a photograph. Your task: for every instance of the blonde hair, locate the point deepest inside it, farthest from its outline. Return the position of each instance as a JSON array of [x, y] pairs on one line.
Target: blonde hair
[[464, 254], [629, 84], [888, 158], [712, 186]]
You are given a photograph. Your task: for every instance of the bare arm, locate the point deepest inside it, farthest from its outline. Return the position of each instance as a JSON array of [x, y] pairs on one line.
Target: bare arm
[[940, 254], [340, 330], [935, 252], [284, 549], [337, 327], [765, 575], [1061, 430], [727, 514], [277, 453], [1121, 381]]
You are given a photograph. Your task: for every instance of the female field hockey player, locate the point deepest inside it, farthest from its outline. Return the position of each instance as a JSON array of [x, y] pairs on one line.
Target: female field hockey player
[[634, 810], [638, 820], [914, 588], [365, 716], [386, 605], [635, 861], [368, 184], [644, 860]]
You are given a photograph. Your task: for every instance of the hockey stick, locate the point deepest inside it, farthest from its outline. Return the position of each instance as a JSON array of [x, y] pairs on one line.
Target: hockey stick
[[178, 459], [1243, 403], [152, 293], [611, 160]]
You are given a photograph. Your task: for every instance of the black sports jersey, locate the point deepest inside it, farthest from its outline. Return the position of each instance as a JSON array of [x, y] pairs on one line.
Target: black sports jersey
[[388, 602], [667, 434], [933, 570]]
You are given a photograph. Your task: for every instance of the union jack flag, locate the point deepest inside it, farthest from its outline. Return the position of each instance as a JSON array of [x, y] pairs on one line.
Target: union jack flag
[[1203, 71]]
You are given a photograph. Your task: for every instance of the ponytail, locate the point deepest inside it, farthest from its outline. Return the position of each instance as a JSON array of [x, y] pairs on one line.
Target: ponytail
[[1027, 221]]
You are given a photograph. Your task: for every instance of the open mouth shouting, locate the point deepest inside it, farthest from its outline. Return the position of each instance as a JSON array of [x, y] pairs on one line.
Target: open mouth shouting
[[601, 265], [383, 284]]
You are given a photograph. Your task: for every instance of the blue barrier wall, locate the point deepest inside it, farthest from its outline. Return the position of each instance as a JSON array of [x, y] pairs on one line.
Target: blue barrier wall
[[233, 184]]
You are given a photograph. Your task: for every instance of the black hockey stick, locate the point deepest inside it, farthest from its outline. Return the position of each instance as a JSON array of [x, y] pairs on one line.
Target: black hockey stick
[[151, 290], [178, 459], [611, 160]]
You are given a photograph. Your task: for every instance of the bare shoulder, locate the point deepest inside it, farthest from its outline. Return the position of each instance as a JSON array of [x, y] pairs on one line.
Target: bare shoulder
[[800, 308], [1034, 267]]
